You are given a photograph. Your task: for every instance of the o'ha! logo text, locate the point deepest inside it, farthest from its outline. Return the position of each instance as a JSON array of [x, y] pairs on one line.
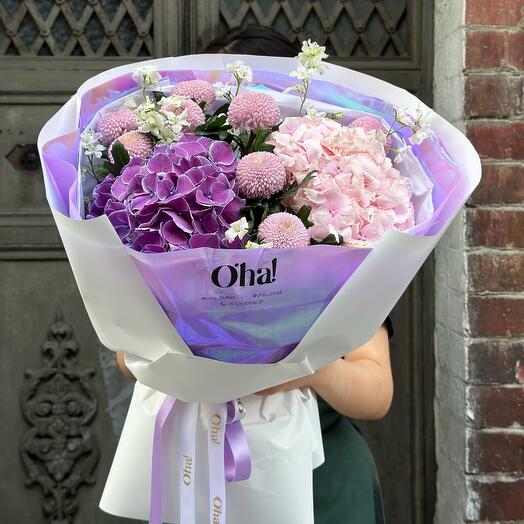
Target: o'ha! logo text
[[241, 275]]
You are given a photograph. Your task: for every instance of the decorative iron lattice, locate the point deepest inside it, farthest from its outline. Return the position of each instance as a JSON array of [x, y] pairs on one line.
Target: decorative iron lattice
[[76, 27], [368, 28], [59, 451]]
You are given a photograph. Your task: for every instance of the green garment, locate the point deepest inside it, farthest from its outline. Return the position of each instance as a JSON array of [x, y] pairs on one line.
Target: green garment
[[346, 488]]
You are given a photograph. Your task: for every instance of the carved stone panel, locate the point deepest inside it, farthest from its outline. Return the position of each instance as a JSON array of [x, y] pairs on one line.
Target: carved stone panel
[[59, 451]]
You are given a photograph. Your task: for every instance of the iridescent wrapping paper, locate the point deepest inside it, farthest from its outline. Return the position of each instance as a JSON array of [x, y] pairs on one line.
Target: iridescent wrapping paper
[[243, 323]]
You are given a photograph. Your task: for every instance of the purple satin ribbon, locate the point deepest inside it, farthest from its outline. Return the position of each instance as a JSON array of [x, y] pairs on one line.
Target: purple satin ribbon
[[237, 458], [156, 508], [231, 444]]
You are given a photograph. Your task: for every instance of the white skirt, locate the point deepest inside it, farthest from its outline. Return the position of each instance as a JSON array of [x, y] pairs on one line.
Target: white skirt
[[284, 436]]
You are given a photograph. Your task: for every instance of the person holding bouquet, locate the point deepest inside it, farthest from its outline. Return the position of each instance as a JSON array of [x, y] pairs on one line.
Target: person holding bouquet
[[357, 386]]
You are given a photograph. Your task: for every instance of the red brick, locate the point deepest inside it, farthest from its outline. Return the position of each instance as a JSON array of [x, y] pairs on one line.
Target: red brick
[[493, 12], [485, 49], [516, 49], [499, 140], [493, 95], [499, 500], [497, 273], [495, 452], [496, 362], [495, 228], [492, 316], [495, 407], [500, 184]]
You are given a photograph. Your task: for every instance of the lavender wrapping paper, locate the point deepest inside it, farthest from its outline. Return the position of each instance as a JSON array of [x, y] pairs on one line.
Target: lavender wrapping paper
[[260, 334], [314, 304]]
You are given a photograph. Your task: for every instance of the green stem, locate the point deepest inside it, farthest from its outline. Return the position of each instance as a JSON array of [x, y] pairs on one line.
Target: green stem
[[146, 98], [239, 83], [304, 96], [250, 142], [92, 167]]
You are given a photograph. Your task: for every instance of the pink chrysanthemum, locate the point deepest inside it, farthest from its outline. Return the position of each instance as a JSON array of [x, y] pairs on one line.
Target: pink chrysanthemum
[[368, 123], [283, 230], [112, 125], [195, 115], [138, 145], [253, 111], [260, 175], [198, 90]]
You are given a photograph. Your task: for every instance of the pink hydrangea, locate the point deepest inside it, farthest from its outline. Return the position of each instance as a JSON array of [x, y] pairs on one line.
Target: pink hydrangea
[[114, 124], [138, 145], [283, 230], [356, 192], [195, 115], [368, 123], [253, 111], [198, 90], [260, 175], [298, 143]]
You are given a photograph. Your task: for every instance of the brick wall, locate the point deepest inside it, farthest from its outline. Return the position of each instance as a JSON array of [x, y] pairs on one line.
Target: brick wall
[[494, 250], [479, 303]]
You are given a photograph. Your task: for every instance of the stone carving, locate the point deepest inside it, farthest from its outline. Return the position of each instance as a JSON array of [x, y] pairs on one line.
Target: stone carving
[[59, 451]]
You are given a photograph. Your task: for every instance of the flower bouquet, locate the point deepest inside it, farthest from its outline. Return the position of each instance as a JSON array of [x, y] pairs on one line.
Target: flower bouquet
[[234, 222]]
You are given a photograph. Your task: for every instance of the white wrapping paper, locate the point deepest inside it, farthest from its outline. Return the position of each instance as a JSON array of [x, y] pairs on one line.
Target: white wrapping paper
[[285, 445], [283, 430]]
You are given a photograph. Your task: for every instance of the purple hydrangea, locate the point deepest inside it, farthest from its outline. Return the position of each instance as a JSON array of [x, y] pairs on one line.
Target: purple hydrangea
[[184, 196]]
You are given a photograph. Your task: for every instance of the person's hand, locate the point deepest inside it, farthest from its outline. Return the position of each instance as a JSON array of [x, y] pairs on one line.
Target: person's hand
[[309, 381]]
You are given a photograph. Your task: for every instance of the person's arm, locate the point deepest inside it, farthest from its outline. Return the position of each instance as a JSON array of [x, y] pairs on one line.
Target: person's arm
[[359, 386]]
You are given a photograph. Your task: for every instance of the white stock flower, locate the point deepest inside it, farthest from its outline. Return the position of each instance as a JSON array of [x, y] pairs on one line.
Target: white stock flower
[[172, 100], [254, 245], [131, 102], [304, 73], [222, 90], [166, 126], [146, 76], [313, 112], [299, 89], [401, 154], [403, 116], [237, 229], [420, 135], [418, 123], [90, 142], [311, 56], [240, 71], [309, 65], [420, 115]]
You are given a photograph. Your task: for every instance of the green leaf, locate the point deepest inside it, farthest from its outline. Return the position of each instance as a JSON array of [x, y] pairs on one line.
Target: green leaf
[[222, 110], [158, 95], [214, 124], [120, 158], [274, 207], [100, 170], [303, 213], [120, 154], [294, 187], [259, 142], [330, 239]]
